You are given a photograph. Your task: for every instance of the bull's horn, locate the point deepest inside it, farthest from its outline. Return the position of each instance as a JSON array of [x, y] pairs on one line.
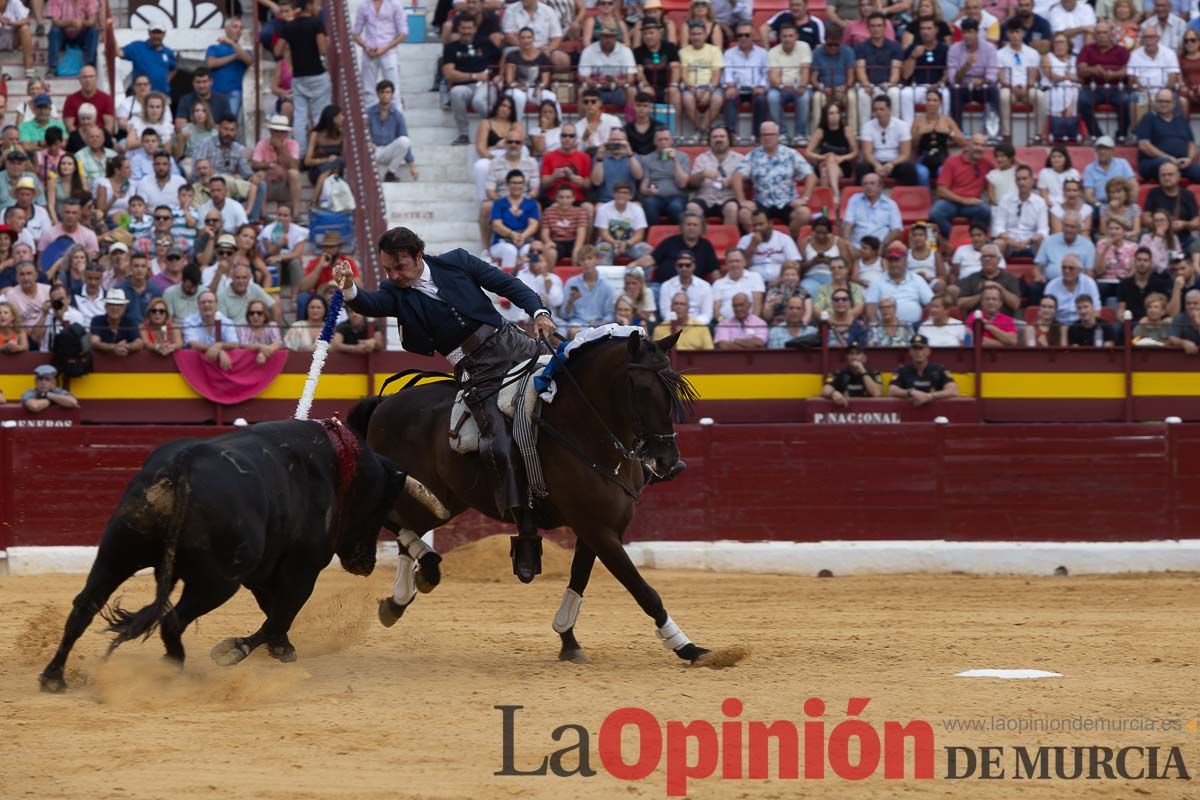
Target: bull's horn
[[427, 498]]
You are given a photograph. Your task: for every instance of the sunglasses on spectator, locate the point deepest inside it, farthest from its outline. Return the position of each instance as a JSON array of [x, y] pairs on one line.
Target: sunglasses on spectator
[[212, 221], [566, 136], [160, 219], [744, 35], [225, 251], [174, 258], [256, 313], [157, 311], [841, 298]]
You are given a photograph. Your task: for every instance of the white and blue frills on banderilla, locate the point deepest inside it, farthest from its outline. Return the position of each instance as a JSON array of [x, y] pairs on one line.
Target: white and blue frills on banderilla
[[320, 353]]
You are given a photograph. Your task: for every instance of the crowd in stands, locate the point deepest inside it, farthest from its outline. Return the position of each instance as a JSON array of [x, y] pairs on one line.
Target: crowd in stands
[[157, 223], [749, 170]]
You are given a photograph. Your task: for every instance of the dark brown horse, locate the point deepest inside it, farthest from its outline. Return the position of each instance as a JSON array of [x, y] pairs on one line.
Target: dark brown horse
[[608, 429]]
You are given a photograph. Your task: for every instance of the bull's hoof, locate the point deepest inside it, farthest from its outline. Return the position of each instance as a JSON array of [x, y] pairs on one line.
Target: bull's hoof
[[526, 554], [230, 651], [54, 684], [576, 656], [429, 572], [390, 611], [282, 652]]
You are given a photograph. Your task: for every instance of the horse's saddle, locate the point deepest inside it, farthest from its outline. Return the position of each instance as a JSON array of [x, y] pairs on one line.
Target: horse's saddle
[[464, 430]]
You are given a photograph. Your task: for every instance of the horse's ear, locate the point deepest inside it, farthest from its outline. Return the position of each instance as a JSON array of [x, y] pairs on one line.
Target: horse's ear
[[668, 344], [635, 343]]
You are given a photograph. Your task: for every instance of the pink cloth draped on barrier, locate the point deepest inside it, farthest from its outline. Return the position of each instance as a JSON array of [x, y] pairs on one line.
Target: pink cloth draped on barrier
[[241, 383]]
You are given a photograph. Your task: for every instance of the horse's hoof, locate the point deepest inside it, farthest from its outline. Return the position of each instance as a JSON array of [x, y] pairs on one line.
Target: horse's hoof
[[282, 652], [429, 572], [54, 684], [228, 652], [390, 611], [574, 656], [720, 659]]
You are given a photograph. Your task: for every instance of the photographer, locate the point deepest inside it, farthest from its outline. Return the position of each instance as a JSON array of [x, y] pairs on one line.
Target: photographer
[[319, 271], [45, 393], [57, 315], [615, 164], [853, 380]]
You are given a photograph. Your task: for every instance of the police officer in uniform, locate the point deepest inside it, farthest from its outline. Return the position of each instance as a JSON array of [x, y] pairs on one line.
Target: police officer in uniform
[[921, 381], [441, 307], [853, 380]]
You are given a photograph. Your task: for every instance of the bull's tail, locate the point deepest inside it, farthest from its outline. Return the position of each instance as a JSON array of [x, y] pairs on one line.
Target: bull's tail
[[129, 625], [360, 416]]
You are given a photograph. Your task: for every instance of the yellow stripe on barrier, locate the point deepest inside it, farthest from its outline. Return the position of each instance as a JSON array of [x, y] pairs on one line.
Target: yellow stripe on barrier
[[172, 386], [1053, 385], [756, 386], [1166, 384]]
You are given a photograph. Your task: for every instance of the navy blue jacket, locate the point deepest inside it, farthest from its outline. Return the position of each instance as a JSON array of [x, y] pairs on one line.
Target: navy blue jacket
[[458, 276]]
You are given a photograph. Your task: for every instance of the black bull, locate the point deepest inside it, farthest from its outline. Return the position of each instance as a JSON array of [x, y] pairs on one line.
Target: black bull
[[260, 507]]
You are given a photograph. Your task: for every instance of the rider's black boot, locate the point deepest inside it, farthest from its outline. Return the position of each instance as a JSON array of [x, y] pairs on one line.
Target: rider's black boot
[[525, 548]]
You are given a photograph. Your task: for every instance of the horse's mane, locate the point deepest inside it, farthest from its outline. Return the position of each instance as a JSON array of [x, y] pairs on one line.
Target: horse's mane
[[683, 395]]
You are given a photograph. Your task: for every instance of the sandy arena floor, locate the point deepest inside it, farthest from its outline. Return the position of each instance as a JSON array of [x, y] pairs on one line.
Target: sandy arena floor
[[408, 712]]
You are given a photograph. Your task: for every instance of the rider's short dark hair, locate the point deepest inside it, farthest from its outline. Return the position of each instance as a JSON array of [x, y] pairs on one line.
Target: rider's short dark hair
[[401, 240]]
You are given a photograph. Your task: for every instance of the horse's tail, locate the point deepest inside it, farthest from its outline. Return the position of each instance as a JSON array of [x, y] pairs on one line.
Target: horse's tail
[[360, 416], [128, 625]]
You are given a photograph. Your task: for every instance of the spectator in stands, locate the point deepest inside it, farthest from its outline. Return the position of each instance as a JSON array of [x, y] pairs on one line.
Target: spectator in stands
[[37, 219], [702, 11], [33, 131], [1046, 330], [1170, 25], [886, 145], [699, 292], [159, 334], [834, 148], [766, 248], [773, 171], [1089, 330], [230, 161], [546, 26], [227, 61], [487, 26], [972, 67], [260, 333], [183, 298], [1165, 138], [871, 213], [161, 188], [15, 34], [1069, 285], [202, 92], [693, 335], [90, 297], [1018, 74], [233, 215], [113, 331], [845, 328], [514, 222], [527, 74], [15, 168], [13, 336], [745, 77], [839, 270], [137, 287], [151, 58], [665, 176], [1178, 204], [810, 29], [621, 226], [853, 380], [589, 296], [701, 64], [70, 227], [466, 66], [652, 14], [1160, 239], [276, 163], [305, 331], [73, 22], [640, 295], [564, 227], [690, 239], [962, 187], [307, 42], [968, 291], [1002, 181], [156, 117], [247, 254], [880, 58], [997, 329], [737, 280], [318, 271], [1037, 30], [924, 68], [196, 130], [857, 31], [789, 65], [45, 393], [497, 186], [793, 320], [68, 269], [1098, 175], [910, 291], [282, 245], [546, 136], [888, 330], [605, 16], [539, 276], [941, 329], [742, 330], [1115, 256], [490, 138], [833, 75], [89, 93], [1101, 67], [1156, 324], [379, 27], [236, 298], [1118, 206], [1133, 290], [1185, 327], [606, 65], [1150, 68], [921, 381], [568, 166], [161, 232], [616, 165], [355, 336], [642, 129], [818, 251], [1054, 174], [711, 177], [1021, 222], [659, 70], [597, 125]]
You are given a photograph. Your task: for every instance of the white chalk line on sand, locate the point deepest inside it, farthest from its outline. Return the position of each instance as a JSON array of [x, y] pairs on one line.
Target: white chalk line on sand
[[809, 558], [1009, 674]]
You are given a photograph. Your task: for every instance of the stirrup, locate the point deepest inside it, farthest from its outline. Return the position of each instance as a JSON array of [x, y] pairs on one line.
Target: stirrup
[[525, 550]]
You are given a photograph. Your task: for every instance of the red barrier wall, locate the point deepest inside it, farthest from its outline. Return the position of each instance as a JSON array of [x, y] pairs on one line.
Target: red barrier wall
[[751, 482]]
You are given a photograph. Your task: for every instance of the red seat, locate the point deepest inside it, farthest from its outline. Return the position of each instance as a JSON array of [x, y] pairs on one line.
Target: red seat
[[1081, 157], [1033, 157], [1020, 269], [1144, 192], [914, 201], [566, 273], [847, 193], [1108, 314], [692, 152], [959, 235], [723, 237], [822, 197], [657, 233], [1031, 313]]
